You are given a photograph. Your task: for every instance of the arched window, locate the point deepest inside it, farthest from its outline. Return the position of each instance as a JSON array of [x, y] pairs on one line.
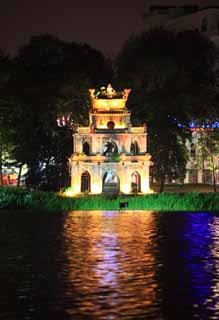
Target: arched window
[[86, 148], [134, 149], [111, 183], [135, 182], [85, 182]]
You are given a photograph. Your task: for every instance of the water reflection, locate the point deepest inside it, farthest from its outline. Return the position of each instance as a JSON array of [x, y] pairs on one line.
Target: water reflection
[[109, 265], [120, 256], [213, 302], [202, 262], [189, 272]]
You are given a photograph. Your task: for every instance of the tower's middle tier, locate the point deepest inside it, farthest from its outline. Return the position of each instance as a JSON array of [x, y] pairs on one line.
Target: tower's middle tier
[[110, 120]]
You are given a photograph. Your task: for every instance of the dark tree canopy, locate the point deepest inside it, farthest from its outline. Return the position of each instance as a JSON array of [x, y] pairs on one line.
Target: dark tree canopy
[[5, 108], [172, 77], [50, 78], [173, 81]]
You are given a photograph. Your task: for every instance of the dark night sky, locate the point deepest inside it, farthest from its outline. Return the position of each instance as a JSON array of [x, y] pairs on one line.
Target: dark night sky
[[105, 25]]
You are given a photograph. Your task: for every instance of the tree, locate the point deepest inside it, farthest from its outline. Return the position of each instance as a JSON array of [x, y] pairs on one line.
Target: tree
[[5, 112], [51, 77], [167, 78], [208, 150]]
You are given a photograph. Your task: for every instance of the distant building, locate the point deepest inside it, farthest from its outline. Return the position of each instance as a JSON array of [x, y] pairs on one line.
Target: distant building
[[199, 168], [197, 16], [204, 19], [202, 16]]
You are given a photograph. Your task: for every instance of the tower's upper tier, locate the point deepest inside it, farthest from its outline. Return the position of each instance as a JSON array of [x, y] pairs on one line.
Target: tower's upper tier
[[107, 99]]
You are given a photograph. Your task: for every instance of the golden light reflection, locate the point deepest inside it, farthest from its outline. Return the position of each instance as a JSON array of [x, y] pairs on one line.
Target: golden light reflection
[[112, 261]]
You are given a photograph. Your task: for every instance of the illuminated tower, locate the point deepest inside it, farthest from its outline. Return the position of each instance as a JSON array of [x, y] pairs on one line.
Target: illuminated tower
[[109, 155]]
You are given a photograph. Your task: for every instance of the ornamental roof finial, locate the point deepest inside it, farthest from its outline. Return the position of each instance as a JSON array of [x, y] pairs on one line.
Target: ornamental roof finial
[[110, 91]]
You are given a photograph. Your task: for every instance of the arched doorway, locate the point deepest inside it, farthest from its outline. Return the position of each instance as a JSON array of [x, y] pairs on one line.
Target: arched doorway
[[85, 182], [86, 148], [135, 182], [111, 183]]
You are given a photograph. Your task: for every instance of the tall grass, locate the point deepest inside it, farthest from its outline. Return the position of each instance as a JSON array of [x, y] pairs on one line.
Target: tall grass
[[17, 198]]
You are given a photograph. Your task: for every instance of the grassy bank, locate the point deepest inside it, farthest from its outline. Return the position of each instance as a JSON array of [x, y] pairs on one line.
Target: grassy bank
[[13, 198]]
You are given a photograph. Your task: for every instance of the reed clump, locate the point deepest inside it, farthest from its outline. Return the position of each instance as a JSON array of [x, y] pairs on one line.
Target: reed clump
[[18, 198]]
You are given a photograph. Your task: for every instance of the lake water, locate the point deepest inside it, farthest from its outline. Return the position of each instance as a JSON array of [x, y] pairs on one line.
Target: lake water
[[109, 265]]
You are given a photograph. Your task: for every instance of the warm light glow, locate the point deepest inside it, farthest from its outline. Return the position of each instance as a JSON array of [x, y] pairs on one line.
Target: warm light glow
[[118, 258], [125, 188], [145, 189], [123, 157], [138, 129], [117, 126], [109, 152], [98, 156], [69, 193], [96, 188], [108, 104], [84, 130]]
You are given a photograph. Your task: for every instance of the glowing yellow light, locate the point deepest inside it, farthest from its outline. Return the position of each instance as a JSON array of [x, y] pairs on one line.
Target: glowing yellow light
[[106, 104], [98, 156], [123, 157], [69, 193], [96, 188], [109, 112], [145, 189], [125, 188]]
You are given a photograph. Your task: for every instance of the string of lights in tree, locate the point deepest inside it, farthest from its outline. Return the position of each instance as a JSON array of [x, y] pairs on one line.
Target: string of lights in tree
[[197, 126], [65, 120]]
